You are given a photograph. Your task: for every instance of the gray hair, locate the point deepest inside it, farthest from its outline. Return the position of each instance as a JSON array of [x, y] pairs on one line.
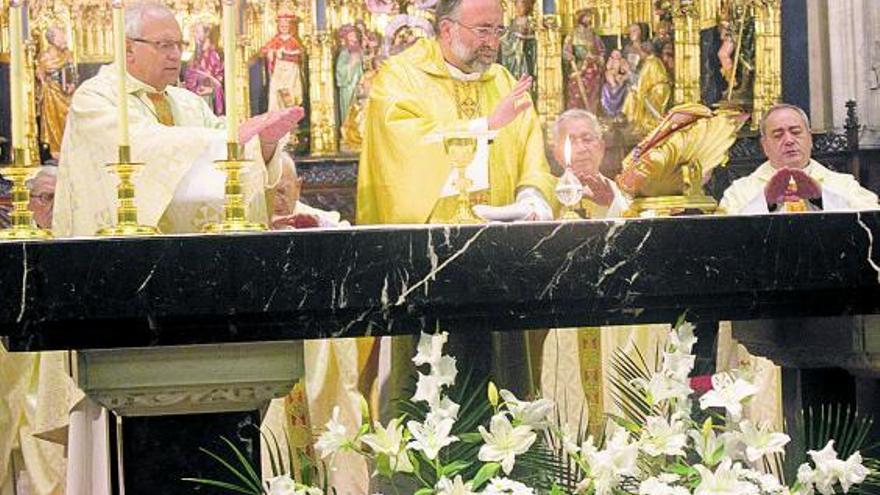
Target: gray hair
[[135, 14], [43, 171], [783, 106], [445, 9], [574, 114]]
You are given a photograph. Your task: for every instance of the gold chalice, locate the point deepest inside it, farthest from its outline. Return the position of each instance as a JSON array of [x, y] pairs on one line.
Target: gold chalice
[[126, 211], [461, 149], [22, 227]]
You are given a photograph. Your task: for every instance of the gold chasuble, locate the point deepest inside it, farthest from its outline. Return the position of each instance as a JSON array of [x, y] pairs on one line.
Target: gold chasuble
[[179, 188], [401, 174]]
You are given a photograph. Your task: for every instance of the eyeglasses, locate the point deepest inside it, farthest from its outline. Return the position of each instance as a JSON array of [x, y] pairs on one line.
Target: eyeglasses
[[164, 46], [45, 198], [484, 32]]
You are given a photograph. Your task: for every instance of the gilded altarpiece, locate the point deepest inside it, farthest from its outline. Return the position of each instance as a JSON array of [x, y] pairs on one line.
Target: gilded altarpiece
[[667, 41]]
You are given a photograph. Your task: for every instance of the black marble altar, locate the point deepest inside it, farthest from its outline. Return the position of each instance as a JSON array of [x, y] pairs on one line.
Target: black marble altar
[[100, 293]]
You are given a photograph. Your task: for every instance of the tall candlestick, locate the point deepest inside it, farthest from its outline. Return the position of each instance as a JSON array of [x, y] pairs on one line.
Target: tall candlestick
[[16, 74], [229, 65], [121, 75]]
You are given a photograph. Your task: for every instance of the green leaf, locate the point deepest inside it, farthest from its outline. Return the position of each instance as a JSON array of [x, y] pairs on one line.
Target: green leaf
[[473, 437], [383, 465], [222, 484], [484, 474], [424, 491], [250, 483], [454, 468]]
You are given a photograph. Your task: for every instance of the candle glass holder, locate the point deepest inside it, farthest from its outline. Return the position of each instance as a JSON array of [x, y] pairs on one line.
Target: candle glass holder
[[234, 209], [22, 227], [461, 150], [126, 211], [569, 191]]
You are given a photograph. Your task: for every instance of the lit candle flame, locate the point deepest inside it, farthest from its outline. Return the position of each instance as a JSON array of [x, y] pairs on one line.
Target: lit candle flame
[[566, 151]]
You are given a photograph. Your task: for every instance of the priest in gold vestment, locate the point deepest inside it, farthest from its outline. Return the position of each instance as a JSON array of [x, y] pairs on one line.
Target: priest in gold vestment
[[405, 177], [450, 84]]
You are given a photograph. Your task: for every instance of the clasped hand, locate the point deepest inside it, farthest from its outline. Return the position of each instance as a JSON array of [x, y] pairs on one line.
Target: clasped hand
[[777, 190]]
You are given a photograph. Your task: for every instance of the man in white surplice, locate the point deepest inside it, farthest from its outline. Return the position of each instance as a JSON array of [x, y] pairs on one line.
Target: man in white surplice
[[791, 175], [172, 131]]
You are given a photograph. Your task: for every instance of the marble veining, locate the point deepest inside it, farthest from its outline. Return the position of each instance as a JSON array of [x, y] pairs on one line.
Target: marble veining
[[870, 245]]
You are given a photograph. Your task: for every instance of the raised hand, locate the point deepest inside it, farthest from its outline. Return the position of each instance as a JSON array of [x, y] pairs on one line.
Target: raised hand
[[515, 103], [270, 126], [598, 189]]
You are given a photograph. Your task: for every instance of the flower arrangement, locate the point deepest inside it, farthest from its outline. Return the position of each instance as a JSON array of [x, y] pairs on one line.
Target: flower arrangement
[[667, 442]]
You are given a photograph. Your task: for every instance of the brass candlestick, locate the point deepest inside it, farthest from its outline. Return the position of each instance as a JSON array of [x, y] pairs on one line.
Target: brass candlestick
[[22, 226], [461, 151], [126, 209], [234, 219]]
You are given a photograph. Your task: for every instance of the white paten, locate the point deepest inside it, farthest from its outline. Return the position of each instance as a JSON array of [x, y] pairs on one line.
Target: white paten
[[192, 379]]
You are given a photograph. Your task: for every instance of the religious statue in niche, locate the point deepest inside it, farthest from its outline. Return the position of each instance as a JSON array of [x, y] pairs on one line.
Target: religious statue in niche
[[650, 95], [57, 78], [403, 31], [519, 45], [636, 48], [352, 128], [204, 72], [349, 68], [617, 82], [583, 54], [284, 58], [737, 53]]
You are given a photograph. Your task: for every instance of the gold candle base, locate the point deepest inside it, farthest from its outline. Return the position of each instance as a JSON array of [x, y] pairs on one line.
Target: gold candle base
[[22, 227], [234, 219], [126, 211]]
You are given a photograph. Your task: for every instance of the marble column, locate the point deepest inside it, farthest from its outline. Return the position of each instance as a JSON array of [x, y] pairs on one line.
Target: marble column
[[854, 39]]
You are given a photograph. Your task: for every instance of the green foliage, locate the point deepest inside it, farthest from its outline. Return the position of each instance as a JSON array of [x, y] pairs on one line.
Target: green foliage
[[248, 481]]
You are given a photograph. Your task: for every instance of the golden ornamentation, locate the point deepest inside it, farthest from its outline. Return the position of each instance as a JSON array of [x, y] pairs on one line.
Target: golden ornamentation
[[686, 20], [22, 219], [126, 210], [461, 150], [550, 85], [665, 171], [768, 58], [321, 88], [467, 100], [234, 208]]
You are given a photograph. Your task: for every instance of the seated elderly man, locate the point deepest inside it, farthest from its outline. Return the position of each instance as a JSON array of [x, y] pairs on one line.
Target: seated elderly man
[[288, 212], [42, 187], [602, 197], [172, 130], [790, 180]]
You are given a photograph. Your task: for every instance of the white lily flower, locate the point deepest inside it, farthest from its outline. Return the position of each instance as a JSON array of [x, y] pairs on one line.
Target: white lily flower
[[445, 486], [569, 445], [430, 348], [608, 466], [723, 481], [427, 390], [661, 387], [535, 413], [445, 409], [444, 370], [761, 441], [335, 438], [659, 437], [657, 486], [852, 471], [728, 392], [282, 485], [682, 338], [504, 441], [431, 436], [389, 441], [505, 486], [677, 365]]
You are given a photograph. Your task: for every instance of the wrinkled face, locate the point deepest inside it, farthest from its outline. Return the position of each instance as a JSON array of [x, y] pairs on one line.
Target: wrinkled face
[[154, 58], [587, 147], [42, 200], [471, 40], [286, 192], [787, 142]]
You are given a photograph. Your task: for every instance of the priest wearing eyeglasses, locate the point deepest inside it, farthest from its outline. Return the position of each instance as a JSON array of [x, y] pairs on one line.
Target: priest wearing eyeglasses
[[173, 131]]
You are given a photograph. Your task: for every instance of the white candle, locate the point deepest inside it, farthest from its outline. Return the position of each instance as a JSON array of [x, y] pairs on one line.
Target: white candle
[[16, 74], [566, 151], [229, 64], [119, 60]]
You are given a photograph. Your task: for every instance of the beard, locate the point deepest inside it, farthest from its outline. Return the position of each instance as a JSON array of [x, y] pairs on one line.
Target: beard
[[477, 59]]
